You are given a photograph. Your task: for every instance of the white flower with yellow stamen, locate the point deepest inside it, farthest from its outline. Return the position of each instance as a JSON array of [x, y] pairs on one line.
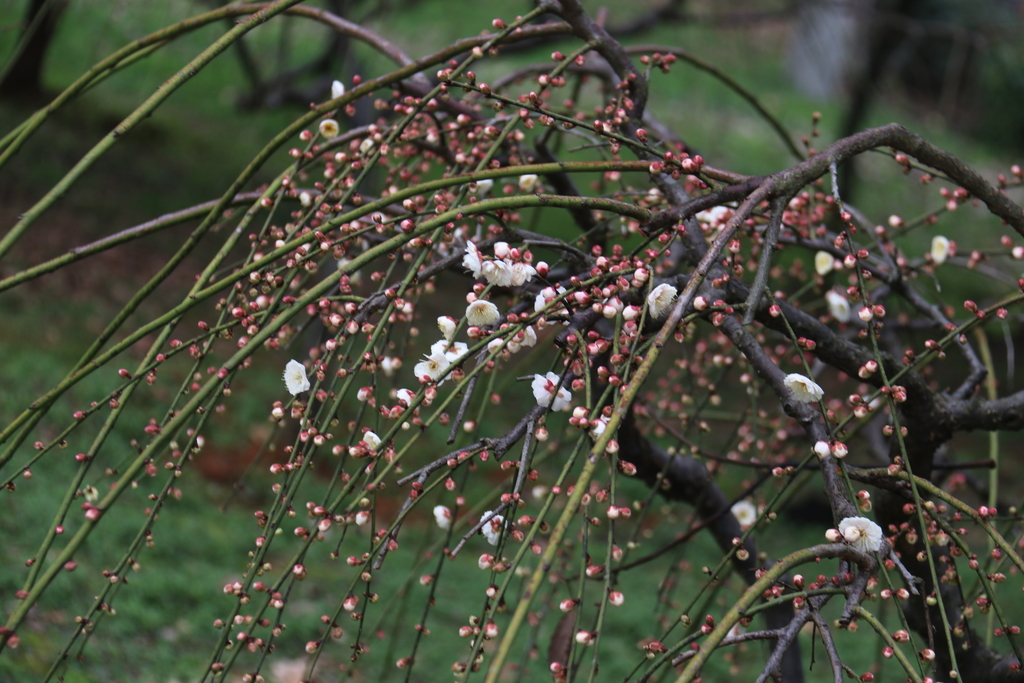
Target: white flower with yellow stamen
[[823, 263], [522, 273], [528, 182], [499, 273], [861, 533], [940, 250], [433, 366], [453, 351], [803, 388], [482, 312], [660, 300], [745, 513], [329, 128], [295, 378]]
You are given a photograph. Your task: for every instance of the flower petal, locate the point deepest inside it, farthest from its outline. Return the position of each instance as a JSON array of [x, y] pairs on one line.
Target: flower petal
[[295, 379], [803, 388]]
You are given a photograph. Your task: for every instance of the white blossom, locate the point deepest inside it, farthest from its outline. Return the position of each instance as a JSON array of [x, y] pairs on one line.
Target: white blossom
[[940, 249], [522, 273], [861, 533], [337, 89], [453, 351], [660, 299], [546, 294], [434, 366], [528, 182], [499, 273], [714, 216], [501, 250], [823, 263], [495, 345], [405, 395], [529, 337], [482, 312], [822, 449], [295, 378], [838, 306], [745, 513], [492, 527], [329, 128], [484, 186], [803, 388], [472, 261], [372, 440], [306, 199], [443, 516], [548, 392], [447, 325], [389, 365], [366, 146], [597, 429]]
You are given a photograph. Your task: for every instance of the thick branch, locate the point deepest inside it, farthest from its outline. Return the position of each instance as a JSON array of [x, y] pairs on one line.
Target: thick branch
[[899, 138]]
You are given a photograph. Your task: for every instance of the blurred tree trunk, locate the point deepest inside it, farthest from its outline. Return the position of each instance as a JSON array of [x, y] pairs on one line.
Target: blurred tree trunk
[[22, 75]]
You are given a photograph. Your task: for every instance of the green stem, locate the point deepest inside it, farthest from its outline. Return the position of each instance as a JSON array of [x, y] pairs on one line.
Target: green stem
[[993, 448], [149, 227], [897, 652], [955, 502], [137, 116], [752, 595]]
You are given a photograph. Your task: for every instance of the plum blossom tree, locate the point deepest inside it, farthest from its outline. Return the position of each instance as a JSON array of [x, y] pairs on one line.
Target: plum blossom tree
[[569, 245]]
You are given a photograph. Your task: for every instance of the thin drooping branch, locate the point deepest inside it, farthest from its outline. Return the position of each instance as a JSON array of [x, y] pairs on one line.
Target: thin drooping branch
[[834, 660], [899, 138], [785, 643], [729, 82], [688, 480], [463, 407], [764, 264], [770, 634], [802, 412], [977, 368], [563, 184], [500, 445], [591, 32]]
